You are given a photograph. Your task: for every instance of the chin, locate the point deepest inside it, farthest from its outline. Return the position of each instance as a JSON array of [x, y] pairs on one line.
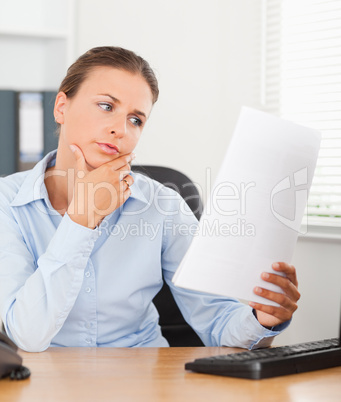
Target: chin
[[94, 163]]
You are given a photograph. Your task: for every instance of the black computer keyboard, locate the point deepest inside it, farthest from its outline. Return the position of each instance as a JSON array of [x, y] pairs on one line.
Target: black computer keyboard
[[272, 362]]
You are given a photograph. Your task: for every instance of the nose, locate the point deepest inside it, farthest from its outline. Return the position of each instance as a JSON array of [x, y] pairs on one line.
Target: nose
[[118, 126]]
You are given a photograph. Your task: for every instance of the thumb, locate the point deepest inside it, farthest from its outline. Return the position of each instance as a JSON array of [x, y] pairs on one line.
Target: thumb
[[80, 160]]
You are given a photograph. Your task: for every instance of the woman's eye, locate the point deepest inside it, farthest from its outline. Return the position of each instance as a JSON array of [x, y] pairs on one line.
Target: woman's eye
[[105, 106], [137, 122]]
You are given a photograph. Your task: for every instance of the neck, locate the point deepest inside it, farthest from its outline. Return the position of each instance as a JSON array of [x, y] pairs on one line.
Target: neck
[[60, 179]]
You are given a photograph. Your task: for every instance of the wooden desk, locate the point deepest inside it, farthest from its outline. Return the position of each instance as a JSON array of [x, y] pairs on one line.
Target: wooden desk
[[153, 374]]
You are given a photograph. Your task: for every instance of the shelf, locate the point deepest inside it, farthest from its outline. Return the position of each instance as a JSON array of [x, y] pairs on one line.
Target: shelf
[[26, 33], [37, 43]]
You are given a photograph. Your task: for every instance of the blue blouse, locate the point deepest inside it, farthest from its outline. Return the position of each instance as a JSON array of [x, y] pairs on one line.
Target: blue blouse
[[62, 284]]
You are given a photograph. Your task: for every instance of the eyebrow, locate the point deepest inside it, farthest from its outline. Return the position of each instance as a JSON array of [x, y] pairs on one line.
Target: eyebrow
[[138, 112]]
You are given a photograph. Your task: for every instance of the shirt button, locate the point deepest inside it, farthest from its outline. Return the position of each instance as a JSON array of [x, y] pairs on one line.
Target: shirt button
[[87, 274], [87, 325], [88, 290]]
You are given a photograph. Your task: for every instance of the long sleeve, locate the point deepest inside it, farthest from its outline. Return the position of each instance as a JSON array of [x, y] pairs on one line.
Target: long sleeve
[[62, 284], [36, 300], [222, 321], [218, 321]]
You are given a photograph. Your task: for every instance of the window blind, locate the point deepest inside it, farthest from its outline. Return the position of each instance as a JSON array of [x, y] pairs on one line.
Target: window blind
[[301, 82]]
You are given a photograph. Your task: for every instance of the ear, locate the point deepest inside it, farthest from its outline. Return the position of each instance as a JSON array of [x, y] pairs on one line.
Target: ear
[[59, 107]]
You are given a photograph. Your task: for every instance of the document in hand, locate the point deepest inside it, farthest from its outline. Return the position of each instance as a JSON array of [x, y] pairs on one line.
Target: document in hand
[[255, 210]]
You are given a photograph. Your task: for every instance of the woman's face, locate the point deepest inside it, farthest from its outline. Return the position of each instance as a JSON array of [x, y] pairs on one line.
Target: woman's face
[[106, 116]]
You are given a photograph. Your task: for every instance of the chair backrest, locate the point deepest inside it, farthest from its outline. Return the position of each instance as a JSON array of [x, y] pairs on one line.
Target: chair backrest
[[174, 328]]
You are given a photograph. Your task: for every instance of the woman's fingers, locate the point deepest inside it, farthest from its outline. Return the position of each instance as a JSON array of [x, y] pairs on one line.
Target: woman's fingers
[[99, 192], [121, 162], [287, 286], [287, 269], [269, 315], [282, 299]]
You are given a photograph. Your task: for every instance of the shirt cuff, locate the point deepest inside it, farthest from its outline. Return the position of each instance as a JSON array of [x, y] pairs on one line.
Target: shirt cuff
[[72, 242], [262, 336]]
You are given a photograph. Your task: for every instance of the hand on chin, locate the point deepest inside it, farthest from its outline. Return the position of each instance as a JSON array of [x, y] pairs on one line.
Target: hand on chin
[[95, 162]]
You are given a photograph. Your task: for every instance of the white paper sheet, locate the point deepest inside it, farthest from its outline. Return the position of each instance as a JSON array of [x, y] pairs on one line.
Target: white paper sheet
[[255, 210]]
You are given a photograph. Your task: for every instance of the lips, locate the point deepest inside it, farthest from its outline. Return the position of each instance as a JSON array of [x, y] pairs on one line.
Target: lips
[[109, 149]]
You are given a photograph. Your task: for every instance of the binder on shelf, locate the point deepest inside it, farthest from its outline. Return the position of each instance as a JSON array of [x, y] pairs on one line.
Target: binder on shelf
[[50, 126], [27, 129], [9, 141], [30, 129]]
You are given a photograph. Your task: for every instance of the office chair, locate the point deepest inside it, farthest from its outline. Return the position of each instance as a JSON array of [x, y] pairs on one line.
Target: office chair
[[173, 326]]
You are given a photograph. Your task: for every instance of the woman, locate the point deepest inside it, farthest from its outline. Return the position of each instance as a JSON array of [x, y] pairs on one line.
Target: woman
[[84, 241]]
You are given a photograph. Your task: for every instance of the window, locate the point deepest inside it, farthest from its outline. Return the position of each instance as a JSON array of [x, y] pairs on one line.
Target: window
[[301, 71]]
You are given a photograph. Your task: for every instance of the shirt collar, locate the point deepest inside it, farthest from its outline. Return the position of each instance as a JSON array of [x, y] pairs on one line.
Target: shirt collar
[[33, 187]]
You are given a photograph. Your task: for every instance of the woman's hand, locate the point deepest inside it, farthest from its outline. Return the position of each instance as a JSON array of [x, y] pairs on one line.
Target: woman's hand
[[270, 316], [99, 192]]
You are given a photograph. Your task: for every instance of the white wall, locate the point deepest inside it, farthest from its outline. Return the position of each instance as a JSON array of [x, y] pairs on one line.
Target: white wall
[[207, 59], [190, 46], [319, 275]]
